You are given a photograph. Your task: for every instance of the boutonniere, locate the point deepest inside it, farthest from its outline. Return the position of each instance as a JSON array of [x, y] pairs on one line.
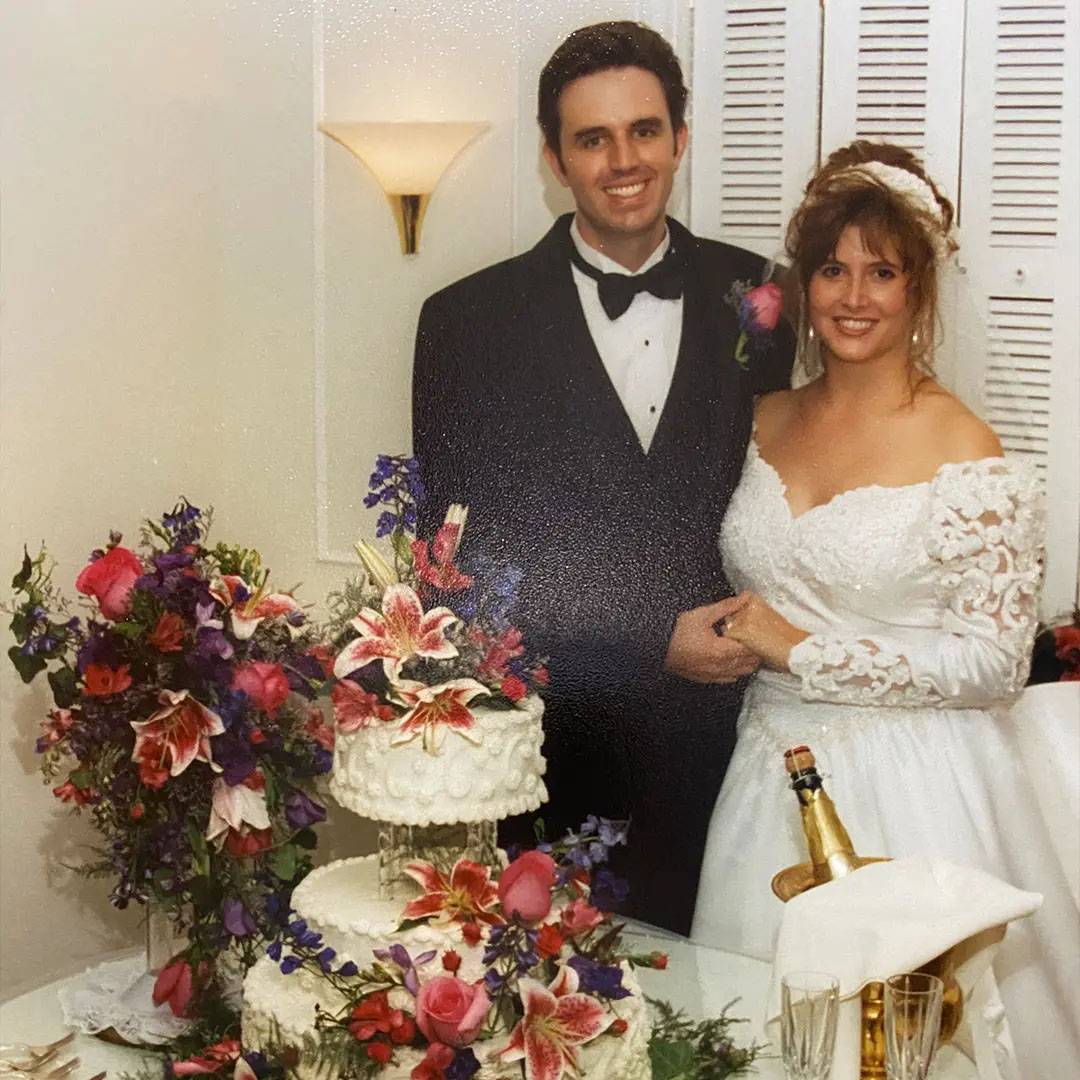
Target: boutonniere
[[758, 310]]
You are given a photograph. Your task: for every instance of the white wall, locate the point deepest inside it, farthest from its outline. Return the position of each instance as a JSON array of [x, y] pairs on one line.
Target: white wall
[[183, 261]]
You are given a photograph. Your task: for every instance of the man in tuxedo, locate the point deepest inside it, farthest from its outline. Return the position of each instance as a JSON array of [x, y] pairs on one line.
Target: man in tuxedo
[[584, 399]]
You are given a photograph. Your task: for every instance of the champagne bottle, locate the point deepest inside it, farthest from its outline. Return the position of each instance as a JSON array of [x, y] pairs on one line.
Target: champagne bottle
[[831, 852]]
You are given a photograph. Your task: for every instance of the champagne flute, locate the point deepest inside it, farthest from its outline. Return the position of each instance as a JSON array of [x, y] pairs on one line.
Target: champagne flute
[[912, 1024], [809, 1004]]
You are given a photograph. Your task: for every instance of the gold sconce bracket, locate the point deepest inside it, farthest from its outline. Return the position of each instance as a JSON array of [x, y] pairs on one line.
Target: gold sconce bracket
[[408, 159]]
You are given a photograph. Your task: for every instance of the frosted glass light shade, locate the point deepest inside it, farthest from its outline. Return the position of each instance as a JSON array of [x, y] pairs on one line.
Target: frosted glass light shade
[[408, 159]]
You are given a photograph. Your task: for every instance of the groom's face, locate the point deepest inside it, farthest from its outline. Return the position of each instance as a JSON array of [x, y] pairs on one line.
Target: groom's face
[[618, 153]]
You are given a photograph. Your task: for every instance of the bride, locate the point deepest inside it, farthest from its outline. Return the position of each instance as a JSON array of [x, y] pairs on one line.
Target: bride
[[889, 558]]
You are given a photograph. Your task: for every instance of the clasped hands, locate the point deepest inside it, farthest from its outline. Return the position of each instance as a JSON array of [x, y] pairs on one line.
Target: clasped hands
[[754, 635]]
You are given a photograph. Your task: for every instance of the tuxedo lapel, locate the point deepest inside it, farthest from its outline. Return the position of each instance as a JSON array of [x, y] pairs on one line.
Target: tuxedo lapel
[[571, 365], [697, 426]]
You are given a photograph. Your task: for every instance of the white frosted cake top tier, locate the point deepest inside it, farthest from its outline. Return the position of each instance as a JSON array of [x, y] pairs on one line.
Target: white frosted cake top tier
[[494, 775]]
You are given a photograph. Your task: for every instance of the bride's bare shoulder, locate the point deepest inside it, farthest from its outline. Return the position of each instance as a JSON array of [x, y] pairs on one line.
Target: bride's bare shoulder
[[953, 432], [771, 411]]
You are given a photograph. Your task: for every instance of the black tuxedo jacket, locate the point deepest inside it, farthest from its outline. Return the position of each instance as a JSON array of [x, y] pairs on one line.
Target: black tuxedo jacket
[[514, 414]]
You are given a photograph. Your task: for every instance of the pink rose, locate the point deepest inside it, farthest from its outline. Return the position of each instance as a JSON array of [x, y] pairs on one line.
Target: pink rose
[[451, 1011], [763, 305], [525, 886], [109, 580], [578, 917], [266, 685]]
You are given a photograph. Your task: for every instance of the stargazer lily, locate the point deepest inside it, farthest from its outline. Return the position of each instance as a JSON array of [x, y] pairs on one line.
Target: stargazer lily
[[179, 731], [235, 805], [403, 630], [434, 710], [469, 895], [442, 573], [557, 1021], [250, 606]]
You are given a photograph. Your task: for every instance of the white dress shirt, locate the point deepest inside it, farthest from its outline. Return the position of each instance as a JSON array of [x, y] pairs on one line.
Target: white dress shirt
[[640, 347]]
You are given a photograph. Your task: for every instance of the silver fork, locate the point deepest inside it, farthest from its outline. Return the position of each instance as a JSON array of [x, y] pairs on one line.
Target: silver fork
[[62, 1070], [23, 1056], [36, 1073]]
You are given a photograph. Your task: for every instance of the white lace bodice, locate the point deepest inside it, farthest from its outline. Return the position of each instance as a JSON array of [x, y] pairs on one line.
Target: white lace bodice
[[920, 595]]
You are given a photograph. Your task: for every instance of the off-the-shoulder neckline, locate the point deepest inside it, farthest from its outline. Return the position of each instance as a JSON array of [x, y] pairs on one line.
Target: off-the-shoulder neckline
[[839, 495]]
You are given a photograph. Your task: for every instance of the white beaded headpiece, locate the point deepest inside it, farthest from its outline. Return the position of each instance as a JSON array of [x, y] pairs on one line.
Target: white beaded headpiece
[[913, 190]]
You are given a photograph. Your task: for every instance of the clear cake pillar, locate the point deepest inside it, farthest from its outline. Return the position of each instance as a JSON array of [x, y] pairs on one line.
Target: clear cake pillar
[[440, 845]]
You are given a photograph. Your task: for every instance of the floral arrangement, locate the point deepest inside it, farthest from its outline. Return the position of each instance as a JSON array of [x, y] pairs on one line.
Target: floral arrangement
[[184, 725], [420, 638], [1056, 655], [553, 975]]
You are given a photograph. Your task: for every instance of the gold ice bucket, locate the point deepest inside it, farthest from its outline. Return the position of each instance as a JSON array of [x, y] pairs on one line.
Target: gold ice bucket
[[796, 879]]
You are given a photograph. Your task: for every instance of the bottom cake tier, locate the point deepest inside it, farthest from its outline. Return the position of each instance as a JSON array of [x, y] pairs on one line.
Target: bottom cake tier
[[279, 1011]]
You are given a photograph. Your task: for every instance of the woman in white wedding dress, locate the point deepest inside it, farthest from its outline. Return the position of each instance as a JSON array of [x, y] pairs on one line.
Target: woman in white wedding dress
[[889, 562]]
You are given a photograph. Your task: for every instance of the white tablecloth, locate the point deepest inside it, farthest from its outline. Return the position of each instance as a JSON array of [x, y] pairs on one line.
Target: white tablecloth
[[698, 979]]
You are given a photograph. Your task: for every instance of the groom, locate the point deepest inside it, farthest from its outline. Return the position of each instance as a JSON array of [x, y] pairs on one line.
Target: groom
[[585, 400]]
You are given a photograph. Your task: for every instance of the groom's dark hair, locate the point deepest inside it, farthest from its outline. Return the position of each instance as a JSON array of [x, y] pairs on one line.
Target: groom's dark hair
[[601, 47]]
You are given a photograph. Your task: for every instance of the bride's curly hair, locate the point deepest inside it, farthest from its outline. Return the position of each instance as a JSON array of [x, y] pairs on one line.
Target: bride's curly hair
[[841, 194]]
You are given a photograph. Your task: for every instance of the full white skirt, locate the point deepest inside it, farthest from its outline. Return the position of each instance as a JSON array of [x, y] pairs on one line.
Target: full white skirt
[[942, 782]]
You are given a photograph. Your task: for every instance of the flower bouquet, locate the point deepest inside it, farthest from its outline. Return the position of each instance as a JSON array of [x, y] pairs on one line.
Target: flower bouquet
[[542, 987], [419, 638], [184, 725]]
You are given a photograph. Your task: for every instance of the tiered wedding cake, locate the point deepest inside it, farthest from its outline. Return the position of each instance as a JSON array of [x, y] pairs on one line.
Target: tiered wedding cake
[[433, 809]]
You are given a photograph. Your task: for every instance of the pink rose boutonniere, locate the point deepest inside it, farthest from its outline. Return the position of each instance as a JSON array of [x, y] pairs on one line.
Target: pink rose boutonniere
[[758, 310]]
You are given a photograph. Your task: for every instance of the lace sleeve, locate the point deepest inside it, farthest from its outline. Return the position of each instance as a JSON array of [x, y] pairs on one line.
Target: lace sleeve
[[986, 534]]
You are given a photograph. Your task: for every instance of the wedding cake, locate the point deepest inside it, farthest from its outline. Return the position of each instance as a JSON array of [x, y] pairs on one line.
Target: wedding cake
[[437, 809]]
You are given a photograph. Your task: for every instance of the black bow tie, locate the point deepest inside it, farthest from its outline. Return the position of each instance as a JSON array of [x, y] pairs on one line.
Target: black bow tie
[[617, 291]]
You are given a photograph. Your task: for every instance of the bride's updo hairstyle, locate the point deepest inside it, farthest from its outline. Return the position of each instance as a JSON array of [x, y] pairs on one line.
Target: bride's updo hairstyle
[[885, 192]]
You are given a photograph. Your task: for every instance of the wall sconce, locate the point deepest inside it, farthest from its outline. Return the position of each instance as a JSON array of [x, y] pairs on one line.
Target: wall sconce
[[408, 160]]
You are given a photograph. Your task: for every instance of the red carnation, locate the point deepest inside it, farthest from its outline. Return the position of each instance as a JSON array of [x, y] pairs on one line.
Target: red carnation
[[513, 688], [168, 634], [99, 680], [379, 1051], [549, 941]]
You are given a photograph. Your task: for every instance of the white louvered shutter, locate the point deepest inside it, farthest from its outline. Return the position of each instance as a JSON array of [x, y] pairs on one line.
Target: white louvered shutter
[[754, 117], [1021, 252], [892, 73]]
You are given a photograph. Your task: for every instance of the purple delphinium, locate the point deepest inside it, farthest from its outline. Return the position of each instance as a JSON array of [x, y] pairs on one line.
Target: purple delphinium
[[464, 1065], [183, 526], [511, 949], [608, 891], [395, 483], [603, 980], [234, 754]]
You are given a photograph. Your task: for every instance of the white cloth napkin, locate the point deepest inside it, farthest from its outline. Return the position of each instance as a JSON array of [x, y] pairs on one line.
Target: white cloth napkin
[[895, 916]]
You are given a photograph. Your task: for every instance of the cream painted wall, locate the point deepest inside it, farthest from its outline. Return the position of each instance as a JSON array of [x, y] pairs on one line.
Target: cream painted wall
[[201, 295]]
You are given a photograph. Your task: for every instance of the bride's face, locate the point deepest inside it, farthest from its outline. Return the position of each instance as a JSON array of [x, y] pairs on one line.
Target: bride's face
[[859, 302]]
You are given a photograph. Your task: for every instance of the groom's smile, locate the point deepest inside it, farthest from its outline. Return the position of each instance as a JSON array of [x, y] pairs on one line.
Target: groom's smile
[[618, 154]]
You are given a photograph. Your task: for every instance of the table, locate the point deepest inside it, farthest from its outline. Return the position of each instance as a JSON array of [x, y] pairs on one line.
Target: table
[[698, 979]]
